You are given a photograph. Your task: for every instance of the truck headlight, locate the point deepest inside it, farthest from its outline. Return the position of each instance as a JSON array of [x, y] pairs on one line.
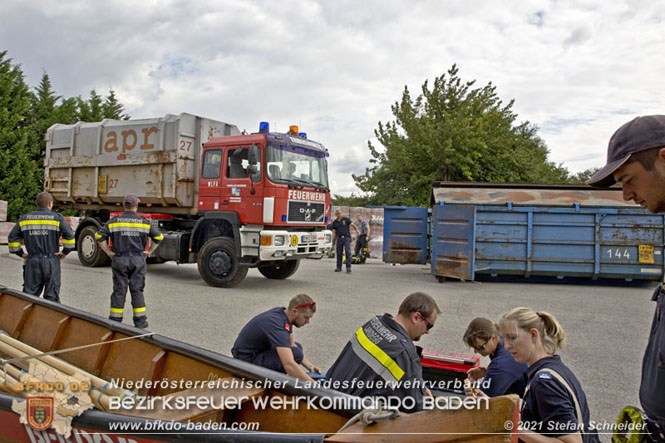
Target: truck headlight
[[328, 238], [279, 240]]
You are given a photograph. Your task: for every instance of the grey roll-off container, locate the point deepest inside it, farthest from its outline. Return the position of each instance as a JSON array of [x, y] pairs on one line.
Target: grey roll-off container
[[94, 165]]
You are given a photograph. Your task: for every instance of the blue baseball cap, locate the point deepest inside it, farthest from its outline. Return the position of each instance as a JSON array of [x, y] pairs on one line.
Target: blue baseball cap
[[639, 134]]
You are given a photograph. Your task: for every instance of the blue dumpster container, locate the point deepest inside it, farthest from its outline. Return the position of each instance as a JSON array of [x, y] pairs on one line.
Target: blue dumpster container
[[531, 230], [405, 235]]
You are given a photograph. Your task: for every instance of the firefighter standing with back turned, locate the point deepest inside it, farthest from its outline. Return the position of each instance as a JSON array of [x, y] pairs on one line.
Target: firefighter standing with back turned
[[40, 231], [129, 234]]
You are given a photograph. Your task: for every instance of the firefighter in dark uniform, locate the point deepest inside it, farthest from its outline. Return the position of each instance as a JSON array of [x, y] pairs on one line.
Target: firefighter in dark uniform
[[129, 234], [267, 339], [636, 159], [41, 231], [381, 359], [554, 402], [341, 227]]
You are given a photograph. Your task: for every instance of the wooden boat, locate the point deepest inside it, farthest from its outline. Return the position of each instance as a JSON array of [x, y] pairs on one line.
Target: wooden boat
[[47, 326]]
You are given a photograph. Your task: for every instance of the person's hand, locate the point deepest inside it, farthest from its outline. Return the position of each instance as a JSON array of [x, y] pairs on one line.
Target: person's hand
[[146, 254], [61, 255], [476, 373], [471, 391], [111, 255], [24, 256], [428, 392], [474, 392], [315, 369]]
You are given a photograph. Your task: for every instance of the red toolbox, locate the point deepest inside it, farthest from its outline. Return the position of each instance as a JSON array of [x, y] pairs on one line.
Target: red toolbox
[[447, 370]]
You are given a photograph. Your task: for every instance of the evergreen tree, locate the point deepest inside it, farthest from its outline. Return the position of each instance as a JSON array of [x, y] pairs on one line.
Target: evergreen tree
[[42, 115], [19, 176], [90, 110], [112, 108]]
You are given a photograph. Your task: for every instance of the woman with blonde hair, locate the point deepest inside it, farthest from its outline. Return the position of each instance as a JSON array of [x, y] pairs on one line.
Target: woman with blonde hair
[[554, 406]]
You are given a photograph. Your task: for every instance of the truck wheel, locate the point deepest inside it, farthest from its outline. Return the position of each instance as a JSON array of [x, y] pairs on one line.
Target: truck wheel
[[89, 252], [218, 264], [279, 270]]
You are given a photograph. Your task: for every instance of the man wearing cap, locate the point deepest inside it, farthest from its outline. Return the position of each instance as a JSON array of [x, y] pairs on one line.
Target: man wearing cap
[[636, 159], [381, 359], [267, 339], [40, 230], [129, 234]]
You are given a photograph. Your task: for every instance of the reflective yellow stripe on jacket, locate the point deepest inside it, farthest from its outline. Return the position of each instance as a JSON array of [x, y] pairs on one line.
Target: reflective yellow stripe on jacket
[[39, 222], [129, 225], [379, 354]]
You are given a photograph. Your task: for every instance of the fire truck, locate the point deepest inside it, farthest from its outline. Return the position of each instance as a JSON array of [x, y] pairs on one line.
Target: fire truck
[[225, 200]]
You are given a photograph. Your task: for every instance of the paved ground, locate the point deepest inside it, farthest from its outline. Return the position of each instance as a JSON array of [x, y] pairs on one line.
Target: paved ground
[[607, 325]]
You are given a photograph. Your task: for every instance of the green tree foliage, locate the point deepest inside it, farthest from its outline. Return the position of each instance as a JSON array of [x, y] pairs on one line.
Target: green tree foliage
[[453, 132], [581, 177], [352, 200], [111, 108], [19, 177], [24, 119], [90, 110]]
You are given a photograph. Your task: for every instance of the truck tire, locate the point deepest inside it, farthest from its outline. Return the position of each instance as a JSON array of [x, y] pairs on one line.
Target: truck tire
[[218, 264], [279, 270], [89, 252]]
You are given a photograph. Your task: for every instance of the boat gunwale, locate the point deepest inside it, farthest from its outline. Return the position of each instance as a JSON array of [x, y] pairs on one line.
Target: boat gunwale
[[236, 368]]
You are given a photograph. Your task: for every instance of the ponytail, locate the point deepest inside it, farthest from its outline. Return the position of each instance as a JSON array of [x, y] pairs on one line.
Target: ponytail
[[552, 335]]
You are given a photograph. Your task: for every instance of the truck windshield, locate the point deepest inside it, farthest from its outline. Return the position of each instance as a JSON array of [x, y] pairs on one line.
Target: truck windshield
[[285, 166]]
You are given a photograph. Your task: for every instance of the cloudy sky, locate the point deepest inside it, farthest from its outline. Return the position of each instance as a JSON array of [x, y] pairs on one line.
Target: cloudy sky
[[576, 69]]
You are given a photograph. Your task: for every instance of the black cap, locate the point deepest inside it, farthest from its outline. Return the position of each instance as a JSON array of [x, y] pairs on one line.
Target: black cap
[[637, 135], [131, 199]]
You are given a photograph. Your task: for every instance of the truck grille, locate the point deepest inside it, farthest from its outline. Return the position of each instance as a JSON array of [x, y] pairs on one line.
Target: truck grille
[[306, 212]]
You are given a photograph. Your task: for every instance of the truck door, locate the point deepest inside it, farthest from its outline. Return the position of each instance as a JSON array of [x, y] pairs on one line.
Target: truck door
[[211, 180], [239, 193]]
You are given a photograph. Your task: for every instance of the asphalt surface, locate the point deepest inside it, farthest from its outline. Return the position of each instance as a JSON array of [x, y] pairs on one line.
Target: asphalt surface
[[607, 324]]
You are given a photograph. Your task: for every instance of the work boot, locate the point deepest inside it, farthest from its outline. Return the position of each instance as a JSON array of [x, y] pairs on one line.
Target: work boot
[[141, 323], [119, 320], [338, 269], [348, 271]]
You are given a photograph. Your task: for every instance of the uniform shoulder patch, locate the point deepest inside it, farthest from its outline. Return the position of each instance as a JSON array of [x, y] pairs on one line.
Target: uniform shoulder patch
[[545, 375], [287, 327]]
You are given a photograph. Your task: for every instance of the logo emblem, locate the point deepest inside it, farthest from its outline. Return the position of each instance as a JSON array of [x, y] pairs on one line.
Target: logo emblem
[[308, 213], [294, 240], [40, 412], [287, 327]]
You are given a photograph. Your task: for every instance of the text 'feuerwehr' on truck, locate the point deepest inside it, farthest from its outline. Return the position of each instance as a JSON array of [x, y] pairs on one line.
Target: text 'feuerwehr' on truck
[[224, 200]]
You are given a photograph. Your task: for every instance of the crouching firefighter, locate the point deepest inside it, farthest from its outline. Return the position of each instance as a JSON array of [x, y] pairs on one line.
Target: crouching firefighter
[[129, 234]]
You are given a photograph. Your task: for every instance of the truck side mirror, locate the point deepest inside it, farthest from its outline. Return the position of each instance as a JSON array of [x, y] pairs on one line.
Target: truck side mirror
[[253, 155]]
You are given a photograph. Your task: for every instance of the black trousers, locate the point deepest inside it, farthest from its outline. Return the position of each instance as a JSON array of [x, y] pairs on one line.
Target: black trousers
[[270, 358], [42, 273], [361, 243], [343, 245], [128, 272]]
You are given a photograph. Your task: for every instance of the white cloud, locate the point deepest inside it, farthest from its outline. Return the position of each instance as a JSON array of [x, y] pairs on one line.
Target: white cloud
[[576, 69]]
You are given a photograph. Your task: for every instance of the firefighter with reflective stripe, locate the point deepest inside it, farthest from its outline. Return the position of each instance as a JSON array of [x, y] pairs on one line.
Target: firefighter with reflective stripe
[[40, 231], [381, 359], [129, 234]]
